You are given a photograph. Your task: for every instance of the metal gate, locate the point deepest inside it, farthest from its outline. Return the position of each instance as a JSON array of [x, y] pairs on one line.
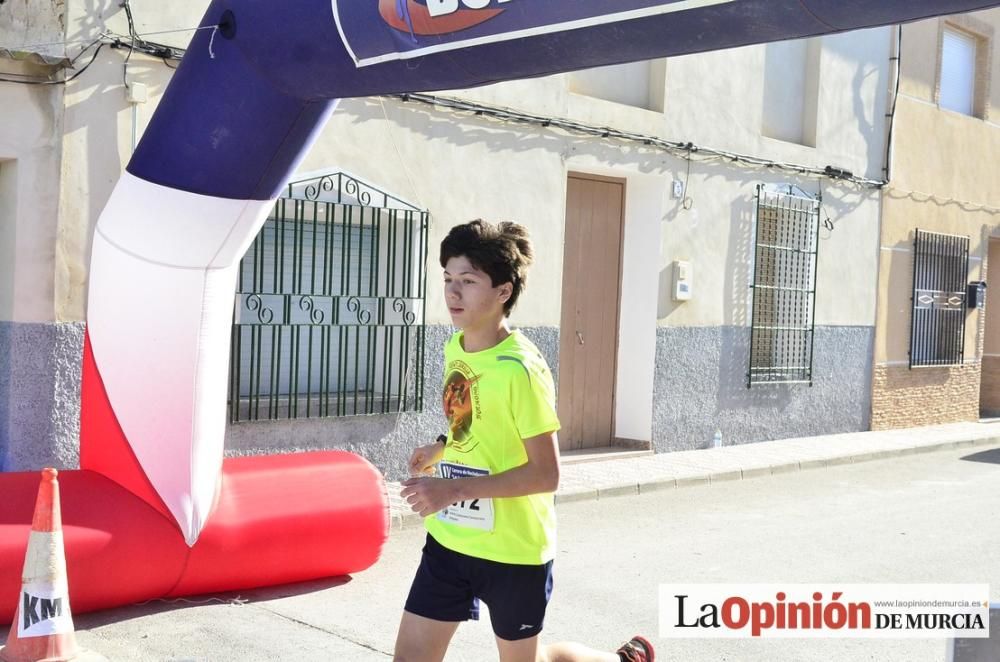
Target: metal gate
[[329, 314]]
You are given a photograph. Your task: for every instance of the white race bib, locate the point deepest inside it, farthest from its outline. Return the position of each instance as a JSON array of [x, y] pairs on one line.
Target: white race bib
[[475, 513]]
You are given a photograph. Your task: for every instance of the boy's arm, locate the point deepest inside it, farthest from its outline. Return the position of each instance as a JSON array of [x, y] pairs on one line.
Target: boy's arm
[[539, 475]]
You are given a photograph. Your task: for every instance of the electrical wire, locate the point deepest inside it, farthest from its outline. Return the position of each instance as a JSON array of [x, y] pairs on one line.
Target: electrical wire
[[28, 47], [131, 46], [687, 202], [680, 149], [65, 80], [922, 197], [135, 42]]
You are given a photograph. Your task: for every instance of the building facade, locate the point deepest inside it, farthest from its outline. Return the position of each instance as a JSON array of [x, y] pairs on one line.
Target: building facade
[[706, 230], [935, 351]]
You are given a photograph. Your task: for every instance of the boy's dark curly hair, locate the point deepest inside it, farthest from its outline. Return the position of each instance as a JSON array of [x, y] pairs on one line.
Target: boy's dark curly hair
[[502, 250]]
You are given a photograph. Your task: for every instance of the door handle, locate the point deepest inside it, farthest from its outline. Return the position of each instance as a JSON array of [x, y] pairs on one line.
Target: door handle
[[579, 336]]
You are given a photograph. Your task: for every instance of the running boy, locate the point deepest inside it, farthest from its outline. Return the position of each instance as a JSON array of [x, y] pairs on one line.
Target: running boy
[[490, 517]]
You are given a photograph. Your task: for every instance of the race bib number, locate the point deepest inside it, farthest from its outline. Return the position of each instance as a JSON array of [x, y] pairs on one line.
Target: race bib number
[[475, 513]]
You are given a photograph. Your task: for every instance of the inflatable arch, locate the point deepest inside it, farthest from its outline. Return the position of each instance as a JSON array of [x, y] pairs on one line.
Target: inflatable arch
[[154, 510]]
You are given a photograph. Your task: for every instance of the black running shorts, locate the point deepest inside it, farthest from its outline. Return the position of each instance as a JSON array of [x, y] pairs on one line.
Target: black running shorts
[[449, 585]]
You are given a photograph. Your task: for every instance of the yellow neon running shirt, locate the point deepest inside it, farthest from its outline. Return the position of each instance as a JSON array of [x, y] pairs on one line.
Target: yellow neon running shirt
[[494, 399]]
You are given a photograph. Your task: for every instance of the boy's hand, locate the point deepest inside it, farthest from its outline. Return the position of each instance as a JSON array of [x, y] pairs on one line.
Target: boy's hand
[[424, 458], [429, 495]]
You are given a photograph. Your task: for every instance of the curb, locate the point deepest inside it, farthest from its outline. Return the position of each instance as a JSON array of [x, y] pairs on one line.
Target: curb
[[401, 517]]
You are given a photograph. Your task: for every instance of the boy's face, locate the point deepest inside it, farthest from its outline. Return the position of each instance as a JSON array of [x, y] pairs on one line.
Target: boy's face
[[471, 298]]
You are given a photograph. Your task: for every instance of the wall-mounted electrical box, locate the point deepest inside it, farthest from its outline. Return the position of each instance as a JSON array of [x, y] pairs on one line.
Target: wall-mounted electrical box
[[976, 294], [136, 93], [682, 280]]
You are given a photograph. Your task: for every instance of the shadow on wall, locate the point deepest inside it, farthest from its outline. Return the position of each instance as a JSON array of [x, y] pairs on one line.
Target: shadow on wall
[[735, 355], [453, 127], [100, 149], [870, 124], [465, 130]]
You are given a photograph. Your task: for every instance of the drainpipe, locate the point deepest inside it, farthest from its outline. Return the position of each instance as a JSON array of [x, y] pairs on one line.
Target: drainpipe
[[894, 63], [135, 94]]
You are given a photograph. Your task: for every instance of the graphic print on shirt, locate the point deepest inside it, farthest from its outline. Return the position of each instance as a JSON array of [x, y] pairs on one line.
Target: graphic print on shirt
[[461, 405]]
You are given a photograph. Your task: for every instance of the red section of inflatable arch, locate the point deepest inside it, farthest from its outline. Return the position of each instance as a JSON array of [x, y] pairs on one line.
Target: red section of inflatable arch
[[280, 519], [289, 518], [118, 549], [103, 446]]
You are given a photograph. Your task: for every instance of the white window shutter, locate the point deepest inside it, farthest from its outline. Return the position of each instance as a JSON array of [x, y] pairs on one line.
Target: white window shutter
[[958, 72]]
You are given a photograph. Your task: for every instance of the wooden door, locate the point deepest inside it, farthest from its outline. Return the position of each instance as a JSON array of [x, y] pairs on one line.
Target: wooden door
[[588, 333]]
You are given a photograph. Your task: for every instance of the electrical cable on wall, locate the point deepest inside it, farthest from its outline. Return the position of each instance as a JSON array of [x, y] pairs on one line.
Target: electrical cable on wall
[[134, 41], [686, 150], [687, 202], [921, 197], [93, 57]]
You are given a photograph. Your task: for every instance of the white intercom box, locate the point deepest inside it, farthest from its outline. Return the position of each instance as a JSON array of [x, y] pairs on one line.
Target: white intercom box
[[682, 280]]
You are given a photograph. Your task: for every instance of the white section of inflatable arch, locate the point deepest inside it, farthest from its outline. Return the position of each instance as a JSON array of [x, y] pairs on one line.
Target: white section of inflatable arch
[[162, 283]]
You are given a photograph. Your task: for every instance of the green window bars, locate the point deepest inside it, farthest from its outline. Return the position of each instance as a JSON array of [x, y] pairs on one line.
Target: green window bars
[[329, 317]]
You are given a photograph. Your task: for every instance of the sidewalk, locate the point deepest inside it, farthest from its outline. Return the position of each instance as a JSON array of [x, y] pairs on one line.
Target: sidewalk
[[632, 474]]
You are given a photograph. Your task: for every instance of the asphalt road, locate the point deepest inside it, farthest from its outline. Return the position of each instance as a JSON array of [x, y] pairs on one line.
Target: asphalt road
[[925, 518]]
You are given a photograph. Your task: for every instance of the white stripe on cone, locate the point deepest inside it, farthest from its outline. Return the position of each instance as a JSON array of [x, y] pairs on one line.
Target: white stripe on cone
[[43, 607]]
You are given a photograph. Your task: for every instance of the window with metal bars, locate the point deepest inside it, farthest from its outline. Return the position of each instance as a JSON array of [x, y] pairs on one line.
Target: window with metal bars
[[786, 241], [329, 314], [937, 325]]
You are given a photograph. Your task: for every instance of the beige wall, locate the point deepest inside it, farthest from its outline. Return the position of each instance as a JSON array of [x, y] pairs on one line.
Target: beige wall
[[8, 236], [29, 145], [716, 99], [943, 181], [29, 161], [939, 184], [922, 48], [98, 128], [34, 26], [460, 167]]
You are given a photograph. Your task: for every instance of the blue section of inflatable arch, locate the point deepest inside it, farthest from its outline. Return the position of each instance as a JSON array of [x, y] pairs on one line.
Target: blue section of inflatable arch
[[235, 125]]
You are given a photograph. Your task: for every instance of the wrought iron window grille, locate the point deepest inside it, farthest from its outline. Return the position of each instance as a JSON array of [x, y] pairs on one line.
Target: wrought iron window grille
[[329, 315], [939, 302], [783, 286]]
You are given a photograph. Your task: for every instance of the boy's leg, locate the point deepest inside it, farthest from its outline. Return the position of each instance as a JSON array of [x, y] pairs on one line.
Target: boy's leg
[[422, 639], [440, 598], [530, 650]]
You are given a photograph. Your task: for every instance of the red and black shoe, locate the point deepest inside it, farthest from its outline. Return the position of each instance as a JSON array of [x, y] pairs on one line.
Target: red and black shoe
[[637, 649]]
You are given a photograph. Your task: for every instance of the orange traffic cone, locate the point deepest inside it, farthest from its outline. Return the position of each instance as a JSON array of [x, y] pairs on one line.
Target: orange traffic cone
[[42, 630]]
